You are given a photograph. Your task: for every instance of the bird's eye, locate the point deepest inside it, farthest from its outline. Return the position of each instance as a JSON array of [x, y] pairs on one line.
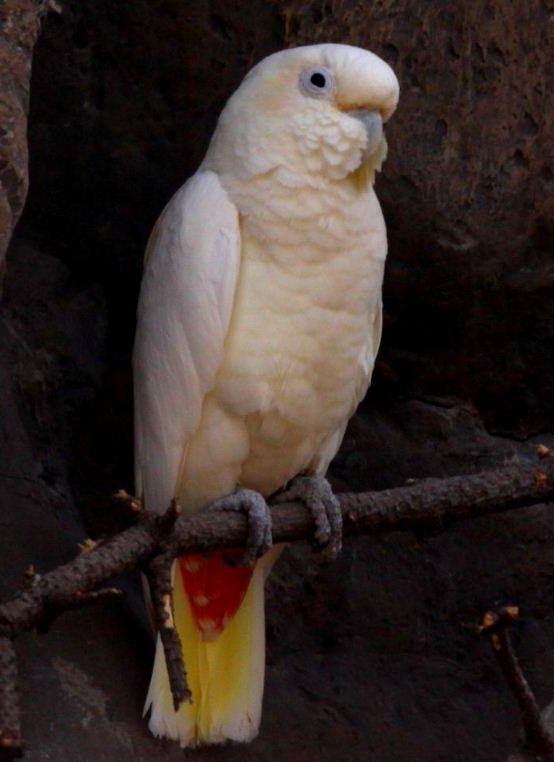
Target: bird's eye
[[316, 81]]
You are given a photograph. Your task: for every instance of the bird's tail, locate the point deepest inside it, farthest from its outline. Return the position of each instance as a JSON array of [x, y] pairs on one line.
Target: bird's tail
[[219, 615]]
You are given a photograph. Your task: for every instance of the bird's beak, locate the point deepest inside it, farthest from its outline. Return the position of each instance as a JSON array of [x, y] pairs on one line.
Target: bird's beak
[[373, 125]]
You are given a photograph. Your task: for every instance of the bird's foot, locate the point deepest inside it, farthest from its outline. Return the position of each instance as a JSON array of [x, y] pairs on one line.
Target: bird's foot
[[316, 494], [254, 506]]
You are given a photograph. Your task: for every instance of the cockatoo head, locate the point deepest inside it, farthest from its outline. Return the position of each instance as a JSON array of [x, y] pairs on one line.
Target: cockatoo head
[[316, 110]]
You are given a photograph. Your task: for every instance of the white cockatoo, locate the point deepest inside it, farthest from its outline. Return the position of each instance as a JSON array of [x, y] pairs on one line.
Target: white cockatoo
[[258, 324]]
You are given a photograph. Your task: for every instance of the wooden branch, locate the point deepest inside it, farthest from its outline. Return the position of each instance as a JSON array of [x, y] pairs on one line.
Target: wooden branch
[[10, 738], [427, 504], [496, 626], [161, 586]]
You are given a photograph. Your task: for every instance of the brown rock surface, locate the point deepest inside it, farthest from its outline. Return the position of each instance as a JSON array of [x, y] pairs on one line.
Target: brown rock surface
[[373, 658], [19, 24]]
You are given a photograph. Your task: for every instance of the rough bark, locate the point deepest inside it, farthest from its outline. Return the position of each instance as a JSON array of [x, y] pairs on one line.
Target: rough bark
[[430, 503], [10, 734]]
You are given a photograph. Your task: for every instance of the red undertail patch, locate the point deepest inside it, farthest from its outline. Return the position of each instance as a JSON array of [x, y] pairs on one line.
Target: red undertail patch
[[215, 589]]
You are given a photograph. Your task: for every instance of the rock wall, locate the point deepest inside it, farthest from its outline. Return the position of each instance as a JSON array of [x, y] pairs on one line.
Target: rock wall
[[19, 21], [374, 657]]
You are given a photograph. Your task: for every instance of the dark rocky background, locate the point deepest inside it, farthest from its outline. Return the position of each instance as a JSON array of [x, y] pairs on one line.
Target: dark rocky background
[[375, 657]]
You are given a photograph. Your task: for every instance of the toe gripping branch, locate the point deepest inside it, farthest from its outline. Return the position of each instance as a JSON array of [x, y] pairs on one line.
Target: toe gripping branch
[[323, 506], [252, 505]]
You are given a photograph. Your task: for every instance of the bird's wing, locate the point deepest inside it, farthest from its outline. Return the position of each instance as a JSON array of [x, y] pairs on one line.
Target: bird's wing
[[184, 310]]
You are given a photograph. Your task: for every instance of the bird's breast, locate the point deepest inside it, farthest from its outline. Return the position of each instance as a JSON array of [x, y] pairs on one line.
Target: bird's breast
[[300, 335]]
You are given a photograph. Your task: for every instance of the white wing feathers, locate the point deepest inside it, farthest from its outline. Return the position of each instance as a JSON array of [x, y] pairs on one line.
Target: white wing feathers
[[184, 311]]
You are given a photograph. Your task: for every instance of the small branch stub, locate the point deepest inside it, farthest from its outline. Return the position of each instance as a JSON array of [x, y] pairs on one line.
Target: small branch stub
[[10, 732], [495, 624], [127, 504]]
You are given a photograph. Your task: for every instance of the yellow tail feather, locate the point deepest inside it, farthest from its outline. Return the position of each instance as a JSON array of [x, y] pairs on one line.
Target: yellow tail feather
[[225, 675]]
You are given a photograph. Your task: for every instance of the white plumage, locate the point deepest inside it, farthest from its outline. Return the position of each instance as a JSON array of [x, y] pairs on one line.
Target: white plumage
[[260, 310], [187, 293]]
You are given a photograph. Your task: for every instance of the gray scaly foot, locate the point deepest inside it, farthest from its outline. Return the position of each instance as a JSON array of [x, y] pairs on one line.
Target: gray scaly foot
[[316, 494], [254, 506]]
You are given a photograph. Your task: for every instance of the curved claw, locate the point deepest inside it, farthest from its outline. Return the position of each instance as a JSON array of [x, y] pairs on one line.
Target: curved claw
[[259, 539], [316, 494]]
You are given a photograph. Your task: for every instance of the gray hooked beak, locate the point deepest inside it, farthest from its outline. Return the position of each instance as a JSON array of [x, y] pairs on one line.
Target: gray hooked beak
[[373, 125]]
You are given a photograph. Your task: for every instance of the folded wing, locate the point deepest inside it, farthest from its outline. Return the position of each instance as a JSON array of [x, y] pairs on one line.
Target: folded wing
[[184, 310]]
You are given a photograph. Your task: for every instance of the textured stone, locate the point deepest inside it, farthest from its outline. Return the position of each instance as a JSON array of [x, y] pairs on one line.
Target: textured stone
[[19, 26], [374, 657]]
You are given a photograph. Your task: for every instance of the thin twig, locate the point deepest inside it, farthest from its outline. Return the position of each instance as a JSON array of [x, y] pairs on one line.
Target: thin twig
[[161, 585], [496, 626], [10, 732], [127, 504]]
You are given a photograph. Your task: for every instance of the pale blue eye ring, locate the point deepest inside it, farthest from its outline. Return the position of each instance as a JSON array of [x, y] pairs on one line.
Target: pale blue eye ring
[[317, 82]]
